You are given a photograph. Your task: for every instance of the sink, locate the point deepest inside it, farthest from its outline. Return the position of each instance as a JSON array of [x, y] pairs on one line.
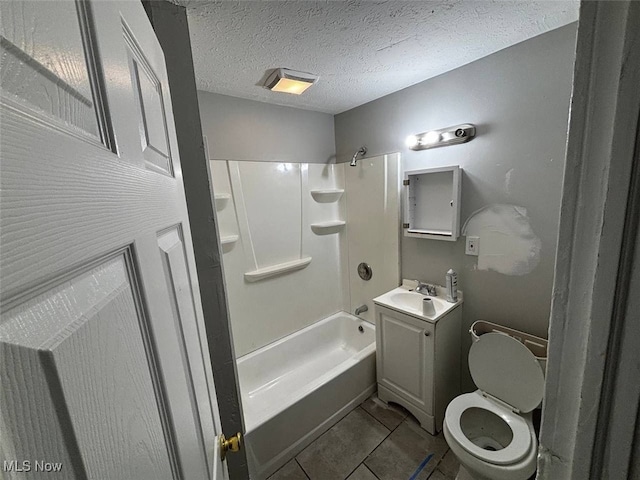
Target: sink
[[404, 300], [413, 301], [407, 300]]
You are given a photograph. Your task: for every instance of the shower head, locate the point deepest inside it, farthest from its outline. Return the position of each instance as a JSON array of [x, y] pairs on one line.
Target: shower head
[[361, 151]]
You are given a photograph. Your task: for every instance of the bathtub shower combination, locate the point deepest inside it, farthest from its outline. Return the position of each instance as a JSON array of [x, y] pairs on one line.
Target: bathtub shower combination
[[293, 235]]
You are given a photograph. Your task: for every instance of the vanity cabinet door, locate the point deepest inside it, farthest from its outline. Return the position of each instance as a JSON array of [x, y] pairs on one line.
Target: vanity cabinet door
[[405, 355]]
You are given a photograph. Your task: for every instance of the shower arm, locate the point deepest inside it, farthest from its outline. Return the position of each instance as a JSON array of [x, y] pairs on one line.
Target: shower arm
[[361, 151]]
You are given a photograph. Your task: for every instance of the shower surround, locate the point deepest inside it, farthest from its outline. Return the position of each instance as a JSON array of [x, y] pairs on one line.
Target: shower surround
[[315, 223]]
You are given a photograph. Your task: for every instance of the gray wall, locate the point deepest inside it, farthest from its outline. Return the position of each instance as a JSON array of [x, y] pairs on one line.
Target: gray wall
[[519, 100], [239, 129]]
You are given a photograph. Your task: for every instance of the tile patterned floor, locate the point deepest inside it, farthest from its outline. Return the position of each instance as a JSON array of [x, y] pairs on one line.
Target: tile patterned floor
[[373, 442]]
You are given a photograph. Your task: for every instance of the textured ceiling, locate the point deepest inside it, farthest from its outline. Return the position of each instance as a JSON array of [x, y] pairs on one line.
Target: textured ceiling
[[362, 50]]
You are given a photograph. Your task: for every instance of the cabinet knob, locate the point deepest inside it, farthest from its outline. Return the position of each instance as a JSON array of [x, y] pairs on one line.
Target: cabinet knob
[[426, 334]]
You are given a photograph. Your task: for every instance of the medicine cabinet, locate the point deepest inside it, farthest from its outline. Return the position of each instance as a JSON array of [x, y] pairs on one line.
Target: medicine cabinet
[[432, 203]]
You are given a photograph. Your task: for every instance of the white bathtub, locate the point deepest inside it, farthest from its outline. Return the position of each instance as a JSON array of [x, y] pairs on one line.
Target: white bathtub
[[294, 389]]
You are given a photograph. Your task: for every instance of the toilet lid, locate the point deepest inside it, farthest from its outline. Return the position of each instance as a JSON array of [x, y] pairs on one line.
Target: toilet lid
[[504, 368]]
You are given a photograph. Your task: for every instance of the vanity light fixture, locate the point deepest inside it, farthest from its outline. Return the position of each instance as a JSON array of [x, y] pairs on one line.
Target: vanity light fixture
[[289, 81], [441, 138]]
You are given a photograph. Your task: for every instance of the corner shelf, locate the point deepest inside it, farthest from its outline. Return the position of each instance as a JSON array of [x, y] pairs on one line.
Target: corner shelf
[[327, 195], [221, 200], [227, 239], [272, 271], [332, 226]]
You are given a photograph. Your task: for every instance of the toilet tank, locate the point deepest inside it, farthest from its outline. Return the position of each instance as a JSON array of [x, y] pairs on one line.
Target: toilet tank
[[537, 346]]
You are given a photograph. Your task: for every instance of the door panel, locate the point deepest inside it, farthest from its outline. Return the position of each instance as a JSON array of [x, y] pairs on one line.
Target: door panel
[[103, 362], [87, 338], [43, 61], [176, 274], [401, 341], [148, 95], [406, 357]]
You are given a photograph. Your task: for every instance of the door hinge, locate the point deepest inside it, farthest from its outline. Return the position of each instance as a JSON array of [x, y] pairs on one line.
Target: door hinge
[[405, 225], [232, 444], [405, 182]]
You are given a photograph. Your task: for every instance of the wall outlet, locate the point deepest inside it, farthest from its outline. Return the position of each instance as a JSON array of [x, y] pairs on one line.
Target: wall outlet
[[472, 246]]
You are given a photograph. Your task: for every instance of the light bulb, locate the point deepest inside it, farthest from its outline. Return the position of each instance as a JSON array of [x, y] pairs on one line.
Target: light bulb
[[431, 137], [412, 141]]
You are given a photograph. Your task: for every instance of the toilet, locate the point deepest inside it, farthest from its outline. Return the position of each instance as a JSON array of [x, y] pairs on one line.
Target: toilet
[[491, 431]]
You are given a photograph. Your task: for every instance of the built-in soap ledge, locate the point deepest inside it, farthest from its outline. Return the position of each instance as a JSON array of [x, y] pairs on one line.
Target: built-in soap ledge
[[332, 226], [279, 269], [221, 200], [227, 239], [328, 195]]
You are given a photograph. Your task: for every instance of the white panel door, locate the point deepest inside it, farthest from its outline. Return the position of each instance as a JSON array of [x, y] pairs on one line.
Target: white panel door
[[104, 370]]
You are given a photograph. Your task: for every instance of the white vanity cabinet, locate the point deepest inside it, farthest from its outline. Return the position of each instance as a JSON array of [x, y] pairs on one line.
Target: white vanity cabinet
[[418, 362]]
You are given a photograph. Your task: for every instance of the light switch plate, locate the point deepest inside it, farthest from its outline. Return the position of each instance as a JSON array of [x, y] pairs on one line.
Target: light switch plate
[[472, 246]]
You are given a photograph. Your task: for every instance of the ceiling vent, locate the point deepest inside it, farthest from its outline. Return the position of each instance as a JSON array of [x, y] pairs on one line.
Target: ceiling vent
[[289, 81]]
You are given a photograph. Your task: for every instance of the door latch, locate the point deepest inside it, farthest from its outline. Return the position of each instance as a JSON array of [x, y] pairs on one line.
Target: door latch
[[232, 444]]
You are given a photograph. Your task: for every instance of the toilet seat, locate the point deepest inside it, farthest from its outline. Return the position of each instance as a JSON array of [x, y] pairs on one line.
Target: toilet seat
[[521, 442]]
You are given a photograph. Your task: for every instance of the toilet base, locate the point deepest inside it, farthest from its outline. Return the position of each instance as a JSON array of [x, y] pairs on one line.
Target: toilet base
[[463, 474]]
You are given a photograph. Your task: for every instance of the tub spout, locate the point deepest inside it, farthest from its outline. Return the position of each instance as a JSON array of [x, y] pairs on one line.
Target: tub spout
[[361, 309]]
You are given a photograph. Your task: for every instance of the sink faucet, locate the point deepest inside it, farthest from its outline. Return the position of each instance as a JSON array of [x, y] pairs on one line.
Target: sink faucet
[[361, 309], [426, 289]]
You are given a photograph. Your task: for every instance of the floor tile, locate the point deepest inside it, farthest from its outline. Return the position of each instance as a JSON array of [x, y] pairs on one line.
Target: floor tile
[[403, 452], [343, 447], [449, 465], [389, 415], [362, 473], [290, 471]]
